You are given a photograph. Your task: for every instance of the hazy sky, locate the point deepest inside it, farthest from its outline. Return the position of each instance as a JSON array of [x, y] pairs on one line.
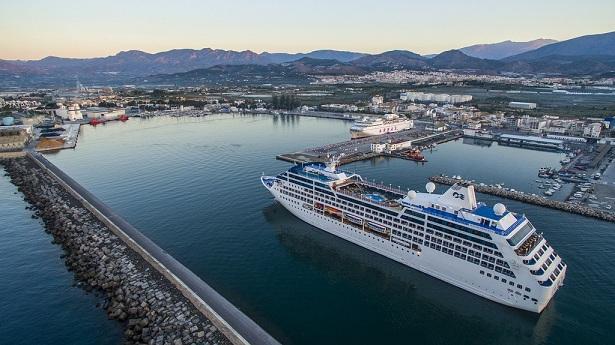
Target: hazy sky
[[32, 29]]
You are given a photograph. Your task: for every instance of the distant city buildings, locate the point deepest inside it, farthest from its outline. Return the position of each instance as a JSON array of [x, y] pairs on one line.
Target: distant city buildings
[[531, 124], [72, 112], [592, 130], [340, 107], [377, 100], [411, 96]]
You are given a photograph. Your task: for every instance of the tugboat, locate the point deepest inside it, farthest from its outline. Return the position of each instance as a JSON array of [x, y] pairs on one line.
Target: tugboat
[[415, 155]]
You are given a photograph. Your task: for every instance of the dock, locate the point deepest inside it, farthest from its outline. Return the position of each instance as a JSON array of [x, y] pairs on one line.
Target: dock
[[530, 199], [67, 139], [394, 145]]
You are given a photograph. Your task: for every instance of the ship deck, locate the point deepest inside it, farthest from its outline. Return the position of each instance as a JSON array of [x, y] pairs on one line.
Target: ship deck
[[373, 193]]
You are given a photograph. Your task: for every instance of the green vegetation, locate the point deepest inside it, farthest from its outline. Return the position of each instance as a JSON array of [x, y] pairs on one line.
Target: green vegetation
[[285, 101]]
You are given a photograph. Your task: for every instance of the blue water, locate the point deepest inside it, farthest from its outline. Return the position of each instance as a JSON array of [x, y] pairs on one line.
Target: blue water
[[39, 305], [193, 186]]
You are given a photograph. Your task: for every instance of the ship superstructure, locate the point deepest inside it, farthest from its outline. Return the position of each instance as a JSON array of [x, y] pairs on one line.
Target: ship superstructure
[[389, 123], [489, 251]]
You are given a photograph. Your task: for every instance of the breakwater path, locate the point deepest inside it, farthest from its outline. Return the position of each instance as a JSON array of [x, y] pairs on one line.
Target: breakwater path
[[531, 199], [156, 298]]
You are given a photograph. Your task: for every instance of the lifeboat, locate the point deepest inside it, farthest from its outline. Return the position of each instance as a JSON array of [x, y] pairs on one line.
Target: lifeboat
[[377, 228], [353, 219], [333, 210]]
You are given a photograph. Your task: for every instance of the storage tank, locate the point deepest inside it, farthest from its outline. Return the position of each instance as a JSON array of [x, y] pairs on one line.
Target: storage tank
[[8, 121]]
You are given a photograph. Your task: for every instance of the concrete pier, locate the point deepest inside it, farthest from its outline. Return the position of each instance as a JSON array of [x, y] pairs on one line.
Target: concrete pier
[[361, 149], [531, 199], [109, 254]]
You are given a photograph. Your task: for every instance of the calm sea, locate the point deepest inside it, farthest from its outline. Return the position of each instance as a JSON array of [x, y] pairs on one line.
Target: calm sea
[[192, 185]]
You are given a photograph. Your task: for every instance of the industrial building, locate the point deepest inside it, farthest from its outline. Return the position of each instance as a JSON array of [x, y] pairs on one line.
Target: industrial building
[[522, 105]]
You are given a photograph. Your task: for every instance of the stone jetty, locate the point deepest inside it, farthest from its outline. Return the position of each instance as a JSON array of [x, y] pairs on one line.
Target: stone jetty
[[531, 199], [149, 308]]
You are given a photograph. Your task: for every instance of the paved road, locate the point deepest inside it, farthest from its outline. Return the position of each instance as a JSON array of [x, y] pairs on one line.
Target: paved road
[[241, 323]]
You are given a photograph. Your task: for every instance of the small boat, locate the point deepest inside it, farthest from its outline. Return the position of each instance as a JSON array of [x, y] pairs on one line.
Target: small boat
[[353, 219], [548, 192], [541, 186], [415, 155], [333, 210], [377, 227]]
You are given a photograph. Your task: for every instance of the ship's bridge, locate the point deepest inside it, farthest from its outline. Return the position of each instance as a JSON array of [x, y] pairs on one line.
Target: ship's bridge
[[459, 203]]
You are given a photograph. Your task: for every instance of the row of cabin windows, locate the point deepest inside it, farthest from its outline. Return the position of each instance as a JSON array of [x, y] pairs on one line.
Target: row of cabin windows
[[464, 236], [406, 236], [295, 196], [388, 216], [470, 255], [511, 283], [459, 227], [382, 217]]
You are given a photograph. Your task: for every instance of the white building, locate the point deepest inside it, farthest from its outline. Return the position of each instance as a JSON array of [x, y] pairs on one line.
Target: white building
[[592, 130], [566, 138], [522, 105], [412, 96], [377, 100], [104, 113], [69, 113], [532, 124]]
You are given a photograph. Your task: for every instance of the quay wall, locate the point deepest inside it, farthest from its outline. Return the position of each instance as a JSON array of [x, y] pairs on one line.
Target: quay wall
[[176, 307], [532, 199]]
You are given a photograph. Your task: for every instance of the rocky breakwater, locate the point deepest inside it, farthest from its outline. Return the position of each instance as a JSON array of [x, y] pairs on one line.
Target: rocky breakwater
[[530, 199], [150, 309]]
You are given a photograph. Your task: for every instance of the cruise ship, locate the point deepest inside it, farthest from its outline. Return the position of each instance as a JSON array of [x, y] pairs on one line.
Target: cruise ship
[[390, 123], [488, 251]]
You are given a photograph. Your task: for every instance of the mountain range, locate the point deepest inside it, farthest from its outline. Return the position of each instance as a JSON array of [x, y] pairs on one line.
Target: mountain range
[[592, 54], [497, 51]]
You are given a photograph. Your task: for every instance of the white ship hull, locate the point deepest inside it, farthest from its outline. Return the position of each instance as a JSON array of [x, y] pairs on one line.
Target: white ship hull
[[427, 260]]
